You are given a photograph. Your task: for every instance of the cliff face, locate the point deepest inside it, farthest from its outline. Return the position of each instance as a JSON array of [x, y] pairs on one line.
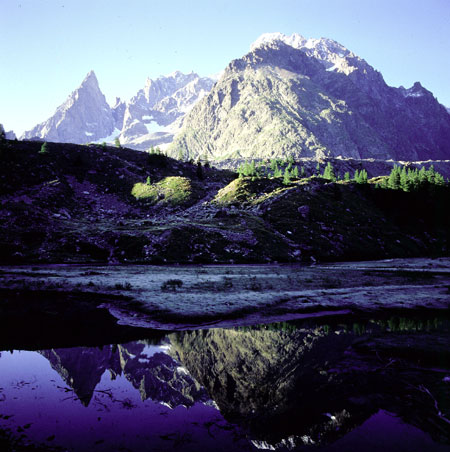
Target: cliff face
[[312, 98]]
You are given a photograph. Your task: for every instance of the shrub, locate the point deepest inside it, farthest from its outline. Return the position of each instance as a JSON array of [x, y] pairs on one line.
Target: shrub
[[172, 284], [124, 286], [174, 190]]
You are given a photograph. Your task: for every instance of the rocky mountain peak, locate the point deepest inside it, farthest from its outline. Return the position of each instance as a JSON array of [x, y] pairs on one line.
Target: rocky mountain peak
[[311, 98], [90, 79], [84, 116]]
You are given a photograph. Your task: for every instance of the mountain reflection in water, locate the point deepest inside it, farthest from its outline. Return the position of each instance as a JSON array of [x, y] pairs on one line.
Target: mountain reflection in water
[[297, 385]]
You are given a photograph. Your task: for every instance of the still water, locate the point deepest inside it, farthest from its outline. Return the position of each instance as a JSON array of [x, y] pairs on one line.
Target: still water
[[320, 384]]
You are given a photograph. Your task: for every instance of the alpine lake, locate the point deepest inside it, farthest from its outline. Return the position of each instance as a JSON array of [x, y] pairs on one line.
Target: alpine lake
[[329, 357]]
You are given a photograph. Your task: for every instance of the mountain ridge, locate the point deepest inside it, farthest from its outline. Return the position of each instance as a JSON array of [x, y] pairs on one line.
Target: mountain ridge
[[312, 101], [150, 118]]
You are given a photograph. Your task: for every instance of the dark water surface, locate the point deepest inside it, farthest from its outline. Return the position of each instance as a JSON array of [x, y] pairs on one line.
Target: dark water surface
[[331, 384]]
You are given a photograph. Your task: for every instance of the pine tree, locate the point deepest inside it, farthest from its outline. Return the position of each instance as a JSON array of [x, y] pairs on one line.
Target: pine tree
[[287, 177], [199, 170], [394, 178], [295, 172], [148, 181], [277, 172], [328, 172], [302, 171], [404, 181], [117, 143], [430, 175], [363, 177], [356, 176], [422, 175], [347, 176], [44, 149]]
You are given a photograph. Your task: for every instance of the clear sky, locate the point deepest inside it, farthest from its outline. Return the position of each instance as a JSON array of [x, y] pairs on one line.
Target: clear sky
[[48, 46]]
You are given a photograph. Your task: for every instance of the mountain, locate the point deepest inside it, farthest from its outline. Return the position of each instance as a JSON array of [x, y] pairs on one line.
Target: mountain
[[155, 114], [85, 116], [9, 135], [311, 98], [150, 118]]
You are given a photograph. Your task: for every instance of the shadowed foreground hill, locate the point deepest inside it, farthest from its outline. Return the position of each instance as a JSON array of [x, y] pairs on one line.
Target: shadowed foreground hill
[[77, 203]]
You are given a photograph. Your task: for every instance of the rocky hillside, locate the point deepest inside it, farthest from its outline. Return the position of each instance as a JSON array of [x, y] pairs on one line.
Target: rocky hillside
[[73, 203], [312, 98]]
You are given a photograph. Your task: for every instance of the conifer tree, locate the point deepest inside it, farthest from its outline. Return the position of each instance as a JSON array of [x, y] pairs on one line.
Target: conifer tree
[[394, 178], [286, 177], [148, 181], [363, 177], [44, 149], [347, 176], [273, 165], [422, 175], [295, 172], [404, 180], [199, 170], [328, 172], [278, 172]]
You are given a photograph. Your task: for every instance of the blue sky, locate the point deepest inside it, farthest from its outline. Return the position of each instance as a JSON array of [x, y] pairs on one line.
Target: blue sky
[[48, 46]]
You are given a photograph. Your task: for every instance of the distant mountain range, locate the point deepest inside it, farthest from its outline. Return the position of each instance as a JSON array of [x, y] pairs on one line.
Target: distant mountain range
[[309, 98], [150, 118]]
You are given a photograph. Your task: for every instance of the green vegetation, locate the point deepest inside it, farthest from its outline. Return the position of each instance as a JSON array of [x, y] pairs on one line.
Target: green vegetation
[[361, 177], [328, 172], [173, 190], [44, 149], [156, 151], [148, 181], [117, 143], [400, 178], [287, 176], [411, 179], [276, 168]]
